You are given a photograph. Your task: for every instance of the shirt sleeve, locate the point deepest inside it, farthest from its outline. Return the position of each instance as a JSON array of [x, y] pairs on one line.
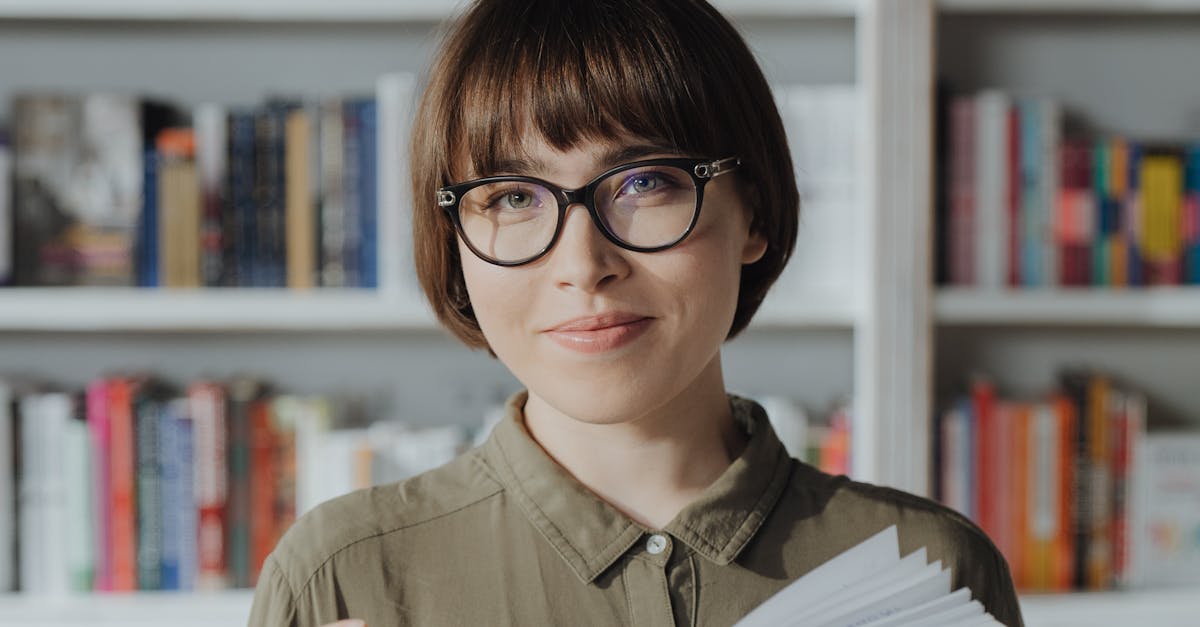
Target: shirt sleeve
[[274, 604]]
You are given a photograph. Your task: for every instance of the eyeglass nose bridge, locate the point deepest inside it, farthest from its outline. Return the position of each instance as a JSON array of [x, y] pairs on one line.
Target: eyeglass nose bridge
[[572, 196]]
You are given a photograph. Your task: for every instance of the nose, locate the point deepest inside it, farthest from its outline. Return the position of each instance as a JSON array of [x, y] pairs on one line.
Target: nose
[[583, 258]]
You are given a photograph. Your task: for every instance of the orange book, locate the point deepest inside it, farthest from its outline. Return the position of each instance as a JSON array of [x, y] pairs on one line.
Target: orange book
[[1040, 525], [122, 475], [263, 473]]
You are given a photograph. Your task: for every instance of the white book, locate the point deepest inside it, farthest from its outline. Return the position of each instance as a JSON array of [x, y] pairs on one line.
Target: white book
[[77, 505], [870, 584], [395, 94], [991, 189]]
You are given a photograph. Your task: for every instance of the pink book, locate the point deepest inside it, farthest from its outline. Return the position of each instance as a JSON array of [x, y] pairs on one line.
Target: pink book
[[100, 437]]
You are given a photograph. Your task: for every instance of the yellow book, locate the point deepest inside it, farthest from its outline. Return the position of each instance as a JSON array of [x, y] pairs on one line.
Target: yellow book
[[300, 213]]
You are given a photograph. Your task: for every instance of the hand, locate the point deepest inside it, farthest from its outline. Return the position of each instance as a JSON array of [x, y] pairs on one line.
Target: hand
[[349, 622]]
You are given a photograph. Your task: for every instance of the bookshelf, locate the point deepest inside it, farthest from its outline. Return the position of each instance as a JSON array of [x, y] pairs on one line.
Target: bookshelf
[[1113, 64], [813, 343]]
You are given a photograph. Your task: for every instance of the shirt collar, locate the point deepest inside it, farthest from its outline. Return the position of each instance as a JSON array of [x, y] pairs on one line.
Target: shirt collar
[[591, 535]]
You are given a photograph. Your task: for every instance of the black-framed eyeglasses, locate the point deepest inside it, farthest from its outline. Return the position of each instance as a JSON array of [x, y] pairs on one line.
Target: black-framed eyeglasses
[[644, 206]]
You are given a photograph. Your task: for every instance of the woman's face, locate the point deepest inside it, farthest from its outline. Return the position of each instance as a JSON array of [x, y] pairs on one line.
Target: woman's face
[[604, 334]]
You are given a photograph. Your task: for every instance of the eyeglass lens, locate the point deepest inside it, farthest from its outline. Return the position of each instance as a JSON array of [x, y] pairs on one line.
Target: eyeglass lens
[[644, 207]]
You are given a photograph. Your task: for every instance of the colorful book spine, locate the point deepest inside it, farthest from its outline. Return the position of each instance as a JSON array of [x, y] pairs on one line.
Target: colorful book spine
[[207, 406], [1075, 213], [122, 475], [240, 235], [1191, 217], [263, 475], [148, 407], [99, 431], [1162, 203], [368, 194], [147, 242]]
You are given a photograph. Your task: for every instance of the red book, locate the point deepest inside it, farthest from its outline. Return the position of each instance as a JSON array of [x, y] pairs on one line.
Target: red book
[[123, 524], [207, 405], [1075, 213], [983, 397]]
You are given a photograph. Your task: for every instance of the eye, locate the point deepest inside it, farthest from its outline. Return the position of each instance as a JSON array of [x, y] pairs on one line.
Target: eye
[[511, 199], [642, 182]]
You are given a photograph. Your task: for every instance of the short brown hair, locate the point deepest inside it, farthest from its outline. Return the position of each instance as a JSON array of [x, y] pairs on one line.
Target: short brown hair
[[674, 72]]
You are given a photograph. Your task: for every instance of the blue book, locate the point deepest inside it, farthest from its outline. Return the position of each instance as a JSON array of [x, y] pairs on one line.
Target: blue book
[[243, 225], [147, 242], [351, 193], [178, 506], [1029, 116], [368, 195]]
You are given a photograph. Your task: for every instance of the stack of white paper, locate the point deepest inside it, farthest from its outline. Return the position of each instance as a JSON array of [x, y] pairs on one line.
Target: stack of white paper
[[871, 584]]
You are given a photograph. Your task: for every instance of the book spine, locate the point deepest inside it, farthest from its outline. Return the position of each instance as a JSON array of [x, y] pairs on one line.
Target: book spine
[[1063, 559], [6, 217], [80, 542], [238, 552], [1162, 191], [1099, 417], [8, 490], [1012, 199], [300, 201], [333, 201], [147, 421], [368, 250], [211, 166], [123, 526], [147, 246], [1101, 182], [991, 188], [207, 407], [97, 403], [1131, 224], [263, 474], [269, 254], [1030, 179], [351, 191], [240, 234], [1075, 386], [1050, 126], [171, 502], [1191, 217], [1020, 492]]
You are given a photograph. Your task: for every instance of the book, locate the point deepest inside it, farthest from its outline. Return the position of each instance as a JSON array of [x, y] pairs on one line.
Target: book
[[6, 207], [77, 188], [1167, 513], [870, 584]]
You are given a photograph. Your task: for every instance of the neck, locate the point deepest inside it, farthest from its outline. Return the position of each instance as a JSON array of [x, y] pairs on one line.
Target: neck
[[656, 461]]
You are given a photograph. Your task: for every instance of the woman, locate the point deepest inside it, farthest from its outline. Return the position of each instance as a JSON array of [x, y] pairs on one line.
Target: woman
[[603, 196]]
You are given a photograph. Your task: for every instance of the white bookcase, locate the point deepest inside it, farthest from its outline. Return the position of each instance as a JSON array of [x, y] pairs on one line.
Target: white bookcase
[[887, 336]]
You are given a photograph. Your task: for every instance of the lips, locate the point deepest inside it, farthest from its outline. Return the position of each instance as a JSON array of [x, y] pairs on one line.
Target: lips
[[597, 322], [599, 333]]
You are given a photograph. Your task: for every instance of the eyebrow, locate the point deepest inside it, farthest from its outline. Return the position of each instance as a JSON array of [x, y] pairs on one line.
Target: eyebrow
[[617, 155]]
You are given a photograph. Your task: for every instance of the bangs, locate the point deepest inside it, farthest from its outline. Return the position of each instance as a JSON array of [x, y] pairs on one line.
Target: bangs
[[575, 71]]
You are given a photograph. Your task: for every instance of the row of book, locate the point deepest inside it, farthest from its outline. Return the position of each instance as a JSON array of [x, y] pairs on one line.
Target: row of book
[[1024, 203], [135, 484], [1072, 488], [111, 189]]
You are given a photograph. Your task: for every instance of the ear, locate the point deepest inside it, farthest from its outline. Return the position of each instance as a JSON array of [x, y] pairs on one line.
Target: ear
[[754, 248]]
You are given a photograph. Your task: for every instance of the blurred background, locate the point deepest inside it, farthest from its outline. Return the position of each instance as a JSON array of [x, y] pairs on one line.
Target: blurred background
[[209, 321]]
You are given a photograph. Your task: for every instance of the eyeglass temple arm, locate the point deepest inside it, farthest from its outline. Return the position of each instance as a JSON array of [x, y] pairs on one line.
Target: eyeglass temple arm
[[717, 168]]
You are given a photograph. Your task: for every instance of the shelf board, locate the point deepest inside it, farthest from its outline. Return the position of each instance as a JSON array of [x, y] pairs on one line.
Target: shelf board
[[1131, 307], [808, 308], [140, 609], [1162, 608], [132, 309], [1070, 6], [342, 11]]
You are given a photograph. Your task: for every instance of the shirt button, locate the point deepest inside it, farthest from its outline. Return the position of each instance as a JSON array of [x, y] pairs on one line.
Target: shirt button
[[656, 544]]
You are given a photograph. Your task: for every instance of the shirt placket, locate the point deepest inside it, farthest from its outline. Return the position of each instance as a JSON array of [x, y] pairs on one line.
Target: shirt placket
[[646, 582]]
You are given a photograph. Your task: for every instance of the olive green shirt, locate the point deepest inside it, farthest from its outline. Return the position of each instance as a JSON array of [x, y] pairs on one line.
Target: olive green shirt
[[503, 535]]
